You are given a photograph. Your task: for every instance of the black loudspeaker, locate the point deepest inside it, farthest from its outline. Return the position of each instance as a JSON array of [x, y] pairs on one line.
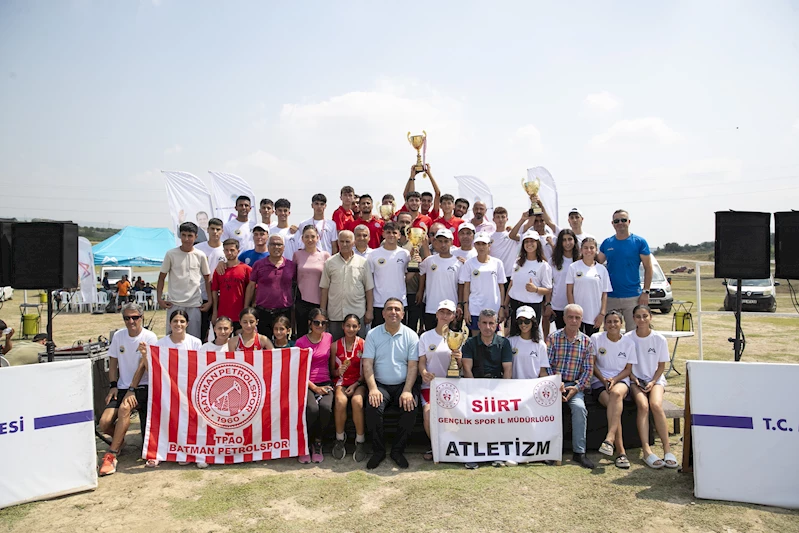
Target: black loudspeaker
[[786, 244], [743, 245], [5, 253], [44, 255]]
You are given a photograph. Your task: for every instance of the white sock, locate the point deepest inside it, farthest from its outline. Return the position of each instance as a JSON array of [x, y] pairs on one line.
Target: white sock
[[341, 436], [360, 438]]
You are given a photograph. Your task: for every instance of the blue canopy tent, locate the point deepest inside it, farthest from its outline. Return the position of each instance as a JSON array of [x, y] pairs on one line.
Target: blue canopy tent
[[134, 246]]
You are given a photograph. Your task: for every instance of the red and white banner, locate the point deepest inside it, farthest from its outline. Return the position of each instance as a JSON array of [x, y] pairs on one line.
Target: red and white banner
[[226, 407], [474, 420]]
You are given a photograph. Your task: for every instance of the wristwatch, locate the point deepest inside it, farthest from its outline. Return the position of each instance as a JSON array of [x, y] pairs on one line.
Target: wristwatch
[[646, 291]]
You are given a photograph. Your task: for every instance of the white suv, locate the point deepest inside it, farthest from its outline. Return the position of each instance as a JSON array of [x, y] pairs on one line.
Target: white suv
[[756, 294], [660, 296]]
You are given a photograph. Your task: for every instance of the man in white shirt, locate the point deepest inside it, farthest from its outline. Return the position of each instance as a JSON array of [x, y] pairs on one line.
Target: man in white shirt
[[266, 210], [438, 278], [362, 237], [240, 228], [483, 279], [187, 268], [328, 234], [502, 246], [282, 228], [466, 235], [212, 248], [389, 266], [123, 361]]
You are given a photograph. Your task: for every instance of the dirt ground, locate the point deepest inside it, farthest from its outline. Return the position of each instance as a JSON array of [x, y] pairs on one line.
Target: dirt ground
[[342, 496]]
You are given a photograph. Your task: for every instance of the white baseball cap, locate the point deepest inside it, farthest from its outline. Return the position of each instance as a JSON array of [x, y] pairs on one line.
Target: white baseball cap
[[575, 210], [525, 311], [262, 227], [483, 237], [446, 304], [466, 225], [444, 232], [531, 234]]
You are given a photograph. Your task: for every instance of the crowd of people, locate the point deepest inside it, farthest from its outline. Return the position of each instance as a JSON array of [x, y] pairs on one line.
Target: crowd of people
[[358, 290]]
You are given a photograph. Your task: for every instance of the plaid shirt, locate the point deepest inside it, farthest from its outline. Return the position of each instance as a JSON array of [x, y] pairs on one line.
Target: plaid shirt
[[571, 359]]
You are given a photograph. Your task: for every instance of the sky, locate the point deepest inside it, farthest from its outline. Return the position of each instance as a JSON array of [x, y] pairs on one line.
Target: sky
[[671, 111]]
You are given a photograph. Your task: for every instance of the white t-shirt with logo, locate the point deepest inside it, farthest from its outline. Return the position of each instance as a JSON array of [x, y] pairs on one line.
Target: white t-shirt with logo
[[589, 284], [650, 351], [328, 234], [611, 357], [189, 343], [214, 255], [388, 270], [541, 274], [484, 280], [241, 231], [505, 249], [559, 300], [125, 349], [545, 246], [529, 357], [441, 280], [289, 244], [434, 347], [466, 254]]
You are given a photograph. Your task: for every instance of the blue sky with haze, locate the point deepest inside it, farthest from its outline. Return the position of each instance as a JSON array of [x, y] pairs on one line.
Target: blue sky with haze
[[671, 110]]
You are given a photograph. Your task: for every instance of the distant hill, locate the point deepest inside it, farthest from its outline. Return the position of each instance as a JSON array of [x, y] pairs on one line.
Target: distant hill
[[95, 234]]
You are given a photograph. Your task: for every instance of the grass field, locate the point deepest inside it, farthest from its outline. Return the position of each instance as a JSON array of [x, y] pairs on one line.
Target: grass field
[[342, 496]]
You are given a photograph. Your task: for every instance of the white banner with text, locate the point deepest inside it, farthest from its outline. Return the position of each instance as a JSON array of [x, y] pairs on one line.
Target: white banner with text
[[475, 420]]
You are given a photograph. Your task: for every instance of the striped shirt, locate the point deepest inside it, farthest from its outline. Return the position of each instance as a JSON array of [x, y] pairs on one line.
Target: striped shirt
[[571, 359]]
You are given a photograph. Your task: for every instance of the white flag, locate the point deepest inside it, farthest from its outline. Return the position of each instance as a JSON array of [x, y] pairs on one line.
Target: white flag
[[189, 201], [88, 287], [226, 188], [548, 192], [475, 190]]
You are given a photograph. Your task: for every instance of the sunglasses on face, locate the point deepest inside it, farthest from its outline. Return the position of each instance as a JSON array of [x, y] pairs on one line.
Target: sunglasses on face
[[524, 321], [132, 318], [319, 322], [617, 220]]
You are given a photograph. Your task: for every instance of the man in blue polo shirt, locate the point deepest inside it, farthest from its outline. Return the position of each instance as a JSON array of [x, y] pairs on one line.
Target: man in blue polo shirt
[[625, 251], [389, 359]]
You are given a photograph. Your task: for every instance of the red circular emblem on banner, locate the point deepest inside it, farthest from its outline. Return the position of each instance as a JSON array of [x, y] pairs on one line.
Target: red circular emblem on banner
[[546, 393], [447, 395], [229, 395]]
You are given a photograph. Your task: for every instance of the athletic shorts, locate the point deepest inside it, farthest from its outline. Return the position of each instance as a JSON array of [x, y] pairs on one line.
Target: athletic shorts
[[425, 396], [596, 391], [141, 398]]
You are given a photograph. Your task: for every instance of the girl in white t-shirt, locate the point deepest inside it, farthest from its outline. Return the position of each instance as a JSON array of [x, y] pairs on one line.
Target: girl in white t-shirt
[[434, 358], [649, 384], [179, 321], [614, 356], [223, 329], [530, 280], [588, 285], [565, 253], [530, 359]]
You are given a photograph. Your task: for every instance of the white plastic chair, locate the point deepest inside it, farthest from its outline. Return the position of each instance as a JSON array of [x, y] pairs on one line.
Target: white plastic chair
[[102, 300], [141, 299]]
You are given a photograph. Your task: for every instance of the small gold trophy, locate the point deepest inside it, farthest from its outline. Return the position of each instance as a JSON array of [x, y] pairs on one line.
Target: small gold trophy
[[386, 212], [455, 340], [415, 236], [418, 142], [531, 186]]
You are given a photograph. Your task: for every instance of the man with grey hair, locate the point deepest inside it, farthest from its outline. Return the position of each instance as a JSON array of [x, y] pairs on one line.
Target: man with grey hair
[[347, 287], [569, 356], [361, 236], [271, 286], [487, 355], [479, 221], [123, 361]]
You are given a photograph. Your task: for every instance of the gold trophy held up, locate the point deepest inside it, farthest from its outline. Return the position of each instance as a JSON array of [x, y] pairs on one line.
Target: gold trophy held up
[[455, 339], [418, 142], [531, 186], [416, 236]]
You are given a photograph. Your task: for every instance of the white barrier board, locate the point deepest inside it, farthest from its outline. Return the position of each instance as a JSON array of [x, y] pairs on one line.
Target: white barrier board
[[496, 419], [47, 445], [745, 431]]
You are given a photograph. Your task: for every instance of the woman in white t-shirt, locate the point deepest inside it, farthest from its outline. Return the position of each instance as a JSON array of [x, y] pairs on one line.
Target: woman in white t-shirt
[[588, 285], [223, 329], [531, 279], [564, 254], [649, 385], [614, 356], [530, 359], [434, 358], [179, 321]]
